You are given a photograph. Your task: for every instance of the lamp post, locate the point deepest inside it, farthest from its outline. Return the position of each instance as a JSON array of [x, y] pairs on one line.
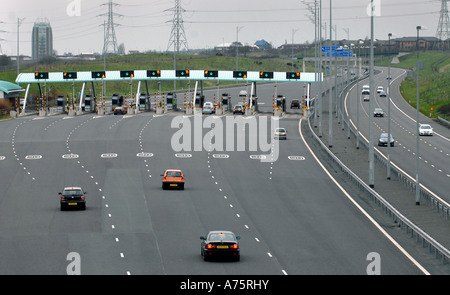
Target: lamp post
[[371, 106], [330, 101], [418, 28], [292, 49], [237, 47], [389, 110]]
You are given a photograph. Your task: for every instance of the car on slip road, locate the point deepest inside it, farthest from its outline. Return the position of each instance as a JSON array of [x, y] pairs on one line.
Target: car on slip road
[[383, 140], [378, 112], [73, 197], [425, 129], [220, 244], [173, 178]]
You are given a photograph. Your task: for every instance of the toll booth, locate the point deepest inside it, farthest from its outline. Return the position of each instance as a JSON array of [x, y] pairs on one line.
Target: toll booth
[[226, 102], [199, 100], [89, 103], [281, 103], [60, 104], [254, 103], [243, 96], [171, 100], [142, 102], [114, 101]]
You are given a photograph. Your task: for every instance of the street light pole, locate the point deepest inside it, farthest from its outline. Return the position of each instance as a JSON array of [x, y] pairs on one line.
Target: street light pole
[[389, 110], [330, 102], [237, 47], [417, 122], [371, 127]]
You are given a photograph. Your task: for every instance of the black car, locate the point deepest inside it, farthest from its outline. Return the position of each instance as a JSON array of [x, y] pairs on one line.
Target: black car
[[295, 104], [73, 197], [383, 140], [220, 244]]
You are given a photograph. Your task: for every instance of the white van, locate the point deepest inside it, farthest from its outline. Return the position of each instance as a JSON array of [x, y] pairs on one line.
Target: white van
[[365, 90]]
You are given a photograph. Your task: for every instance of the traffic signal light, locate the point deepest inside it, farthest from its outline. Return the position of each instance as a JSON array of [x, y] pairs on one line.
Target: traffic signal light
[[239, 74], [69, 75], [98, 75], [293, 75], [182, 73], [41, 75], [211, 74], [126, 74], [266, 75], [153, 73]]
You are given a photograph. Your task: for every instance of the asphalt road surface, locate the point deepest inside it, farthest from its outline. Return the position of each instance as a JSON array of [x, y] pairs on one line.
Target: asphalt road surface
[[291, 217]]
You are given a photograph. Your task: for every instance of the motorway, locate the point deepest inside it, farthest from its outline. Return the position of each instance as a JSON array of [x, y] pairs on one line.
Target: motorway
[[434, 151], [291, 217]]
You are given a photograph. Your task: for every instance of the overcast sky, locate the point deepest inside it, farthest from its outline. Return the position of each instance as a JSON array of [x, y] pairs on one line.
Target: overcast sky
[[146, 24]]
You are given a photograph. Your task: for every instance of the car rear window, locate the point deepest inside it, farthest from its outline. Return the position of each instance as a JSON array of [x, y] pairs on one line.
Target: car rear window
[[221, 237], [173, 174], [72, 193]]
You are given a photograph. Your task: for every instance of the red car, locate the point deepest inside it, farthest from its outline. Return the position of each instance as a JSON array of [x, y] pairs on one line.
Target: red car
[[173, 178]]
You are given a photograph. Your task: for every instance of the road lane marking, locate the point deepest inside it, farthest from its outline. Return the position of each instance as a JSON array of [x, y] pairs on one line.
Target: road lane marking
[[33, 157], [70, 156], [183, 155], [221, 156], [296, 158], [108, 155], [144, 155], [374, 222]]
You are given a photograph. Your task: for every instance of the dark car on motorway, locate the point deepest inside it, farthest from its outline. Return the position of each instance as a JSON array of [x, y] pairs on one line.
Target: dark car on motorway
[[73, 197], [295, 104], [120, 110], [383, 140], [383, 94], [220, 244]]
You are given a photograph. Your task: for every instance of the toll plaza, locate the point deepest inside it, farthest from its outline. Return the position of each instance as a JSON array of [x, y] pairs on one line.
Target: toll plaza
[[162, 102]]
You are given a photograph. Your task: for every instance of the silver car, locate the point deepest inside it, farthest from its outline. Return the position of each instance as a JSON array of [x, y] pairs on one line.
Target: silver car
[[425, 129]]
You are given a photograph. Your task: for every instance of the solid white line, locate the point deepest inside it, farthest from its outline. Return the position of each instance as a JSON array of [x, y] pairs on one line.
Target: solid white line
[[360, 208]]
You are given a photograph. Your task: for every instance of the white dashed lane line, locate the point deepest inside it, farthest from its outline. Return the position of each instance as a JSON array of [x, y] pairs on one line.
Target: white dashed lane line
[[230, 205]]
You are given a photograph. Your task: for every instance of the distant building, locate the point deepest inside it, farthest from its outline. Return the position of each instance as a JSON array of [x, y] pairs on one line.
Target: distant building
[[41, 39], [263, 44], [410, 43]]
